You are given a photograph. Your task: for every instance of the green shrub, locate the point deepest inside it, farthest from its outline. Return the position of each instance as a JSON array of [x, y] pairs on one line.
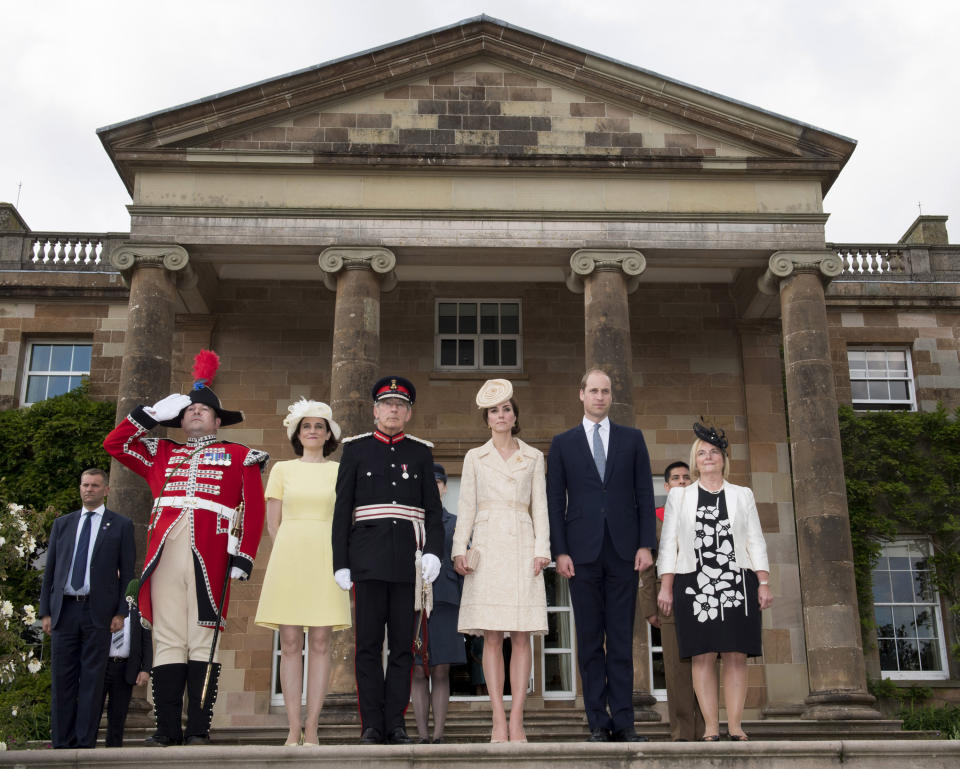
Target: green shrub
[[903, 475], [45, 447], [945, 720], [25, 710]]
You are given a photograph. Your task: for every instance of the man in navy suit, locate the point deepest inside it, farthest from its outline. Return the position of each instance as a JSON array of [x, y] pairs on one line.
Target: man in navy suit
[[602, 532], [89, 563]]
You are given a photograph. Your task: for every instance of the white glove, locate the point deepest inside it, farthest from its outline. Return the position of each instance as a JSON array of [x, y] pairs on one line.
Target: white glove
[[342, 578], [237, 573], [430, 567], [169, 407]]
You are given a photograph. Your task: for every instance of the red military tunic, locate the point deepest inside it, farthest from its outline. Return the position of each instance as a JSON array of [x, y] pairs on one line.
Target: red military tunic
[[207, 480]]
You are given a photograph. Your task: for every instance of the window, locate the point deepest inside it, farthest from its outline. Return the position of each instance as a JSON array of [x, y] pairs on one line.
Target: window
[[907, 612], [557, 657], [54, 368], [474, 334], [881, 379]]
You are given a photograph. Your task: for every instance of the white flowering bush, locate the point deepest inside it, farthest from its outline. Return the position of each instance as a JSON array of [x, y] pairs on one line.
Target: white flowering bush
[[24, 677]]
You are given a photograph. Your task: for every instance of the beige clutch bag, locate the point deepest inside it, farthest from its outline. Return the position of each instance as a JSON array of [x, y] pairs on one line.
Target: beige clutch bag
[[473, 558]]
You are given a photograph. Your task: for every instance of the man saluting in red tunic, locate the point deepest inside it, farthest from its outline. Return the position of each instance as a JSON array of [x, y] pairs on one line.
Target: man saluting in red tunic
[[203, 490]]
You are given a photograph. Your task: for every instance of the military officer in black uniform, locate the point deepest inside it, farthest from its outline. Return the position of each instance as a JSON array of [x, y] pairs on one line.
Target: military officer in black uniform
[[387, 523]]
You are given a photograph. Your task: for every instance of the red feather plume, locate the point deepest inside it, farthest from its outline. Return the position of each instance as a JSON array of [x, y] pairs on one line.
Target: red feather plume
[[205, 366]]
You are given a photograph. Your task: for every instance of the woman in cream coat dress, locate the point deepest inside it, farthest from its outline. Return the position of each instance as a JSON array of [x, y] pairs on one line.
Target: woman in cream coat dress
[[502, 516], [714, 578]]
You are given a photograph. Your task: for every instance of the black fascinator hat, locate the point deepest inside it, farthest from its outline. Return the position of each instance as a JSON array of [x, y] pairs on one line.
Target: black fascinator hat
[[711, 436]]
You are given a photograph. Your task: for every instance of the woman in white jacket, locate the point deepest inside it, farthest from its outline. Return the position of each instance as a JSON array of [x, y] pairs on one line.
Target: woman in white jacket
[[714, 570]]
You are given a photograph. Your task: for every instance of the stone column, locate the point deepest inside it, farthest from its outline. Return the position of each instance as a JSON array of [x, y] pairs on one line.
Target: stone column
[[605, 278], [151, 271], [832, 623], [358, 275]]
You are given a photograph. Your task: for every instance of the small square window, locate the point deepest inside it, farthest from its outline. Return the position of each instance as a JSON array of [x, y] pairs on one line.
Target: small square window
[[477, 334], [54, 368], [881, 379]]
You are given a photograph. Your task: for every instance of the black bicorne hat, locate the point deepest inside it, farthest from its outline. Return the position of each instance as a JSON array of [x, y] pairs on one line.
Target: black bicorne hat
[[205, 366], [711, 436]]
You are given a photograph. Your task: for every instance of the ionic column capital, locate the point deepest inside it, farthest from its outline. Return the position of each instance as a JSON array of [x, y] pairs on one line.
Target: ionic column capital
[[826, 264], [130, 257], [585, 261], [381, 260]]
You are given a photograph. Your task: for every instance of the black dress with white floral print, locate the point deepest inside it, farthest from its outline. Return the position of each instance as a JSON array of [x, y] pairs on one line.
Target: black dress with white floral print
[[716, 606]]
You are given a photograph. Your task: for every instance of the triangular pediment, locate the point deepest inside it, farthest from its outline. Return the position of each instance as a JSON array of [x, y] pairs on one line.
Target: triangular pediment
[[482, 108], [480, 93]]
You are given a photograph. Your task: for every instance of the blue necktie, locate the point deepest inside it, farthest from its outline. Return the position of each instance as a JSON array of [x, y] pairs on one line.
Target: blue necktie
[[598, 455], [79, 575]]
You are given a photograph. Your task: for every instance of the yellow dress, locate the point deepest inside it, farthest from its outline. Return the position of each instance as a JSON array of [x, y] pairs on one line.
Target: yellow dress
[[298, 588]]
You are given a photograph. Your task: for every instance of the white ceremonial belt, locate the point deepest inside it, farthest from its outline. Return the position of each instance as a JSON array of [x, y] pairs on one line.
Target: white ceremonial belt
[[375, 512], [196, 503]]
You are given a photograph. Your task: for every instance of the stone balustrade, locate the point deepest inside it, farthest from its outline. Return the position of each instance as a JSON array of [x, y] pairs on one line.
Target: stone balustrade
[[872, 260], [71, 251]]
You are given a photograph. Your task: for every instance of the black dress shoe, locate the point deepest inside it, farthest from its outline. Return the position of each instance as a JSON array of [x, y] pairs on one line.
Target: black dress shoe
[[158, 741], [599, 735], [197, 739], [627, 735], [371, 736], [398, 736]]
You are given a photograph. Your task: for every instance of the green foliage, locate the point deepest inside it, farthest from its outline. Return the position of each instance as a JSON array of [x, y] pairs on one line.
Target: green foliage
[[25, 710], [945, 720], [903, 476], [24, 683], [45, 447]]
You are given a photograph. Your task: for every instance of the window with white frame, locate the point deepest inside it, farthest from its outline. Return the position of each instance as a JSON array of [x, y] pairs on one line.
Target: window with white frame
[[907, 612], [881, 379], [478, 334], [54, 368]]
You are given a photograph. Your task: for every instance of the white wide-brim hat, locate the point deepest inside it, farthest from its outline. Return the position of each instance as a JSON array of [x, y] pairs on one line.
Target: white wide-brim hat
[[304, 408], [494, 391]]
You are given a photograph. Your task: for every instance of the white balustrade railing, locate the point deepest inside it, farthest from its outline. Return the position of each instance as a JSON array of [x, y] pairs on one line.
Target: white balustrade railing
[[70, 251], [864, 261]]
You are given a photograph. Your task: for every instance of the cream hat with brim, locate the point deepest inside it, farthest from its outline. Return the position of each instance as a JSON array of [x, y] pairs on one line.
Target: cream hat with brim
[[304, 408], [494, 391]]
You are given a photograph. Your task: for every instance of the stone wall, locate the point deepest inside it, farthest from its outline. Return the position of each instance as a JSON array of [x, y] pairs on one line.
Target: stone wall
[[931, 334], [21, 322]]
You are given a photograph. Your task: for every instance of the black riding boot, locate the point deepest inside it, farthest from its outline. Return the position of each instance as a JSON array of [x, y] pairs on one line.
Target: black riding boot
[[168, 684], [199, 717]]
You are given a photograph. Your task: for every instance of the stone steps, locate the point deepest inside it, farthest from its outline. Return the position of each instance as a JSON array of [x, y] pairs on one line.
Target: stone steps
[[564, 727], [788, 754]]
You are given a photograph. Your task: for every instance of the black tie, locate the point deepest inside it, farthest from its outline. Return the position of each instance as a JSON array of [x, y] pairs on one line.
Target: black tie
[[80, 559]]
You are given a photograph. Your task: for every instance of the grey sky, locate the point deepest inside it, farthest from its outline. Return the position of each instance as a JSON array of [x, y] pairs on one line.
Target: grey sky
[[882, 72]]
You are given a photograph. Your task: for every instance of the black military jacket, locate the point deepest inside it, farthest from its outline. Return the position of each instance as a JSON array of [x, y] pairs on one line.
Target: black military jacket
[[376, 469]]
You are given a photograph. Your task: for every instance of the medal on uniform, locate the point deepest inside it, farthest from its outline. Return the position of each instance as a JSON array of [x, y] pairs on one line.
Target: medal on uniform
[[216, 456], [405, 474]]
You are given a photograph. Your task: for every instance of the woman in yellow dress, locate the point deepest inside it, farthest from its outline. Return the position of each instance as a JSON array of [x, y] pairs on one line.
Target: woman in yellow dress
[[299, 593]]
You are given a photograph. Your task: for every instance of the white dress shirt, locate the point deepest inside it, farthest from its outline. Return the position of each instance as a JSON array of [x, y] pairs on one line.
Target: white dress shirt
[[589, 427], [95, 519]]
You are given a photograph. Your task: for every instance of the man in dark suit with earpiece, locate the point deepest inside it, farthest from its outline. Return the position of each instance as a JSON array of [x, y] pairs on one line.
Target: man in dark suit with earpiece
[[602, 534], [89, 563]]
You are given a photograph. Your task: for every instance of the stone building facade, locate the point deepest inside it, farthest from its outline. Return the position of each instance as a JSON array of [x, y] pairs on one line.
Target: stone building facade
[[318, 229]]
